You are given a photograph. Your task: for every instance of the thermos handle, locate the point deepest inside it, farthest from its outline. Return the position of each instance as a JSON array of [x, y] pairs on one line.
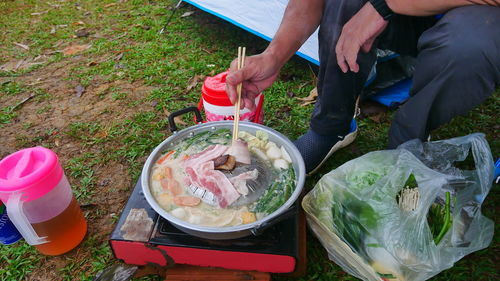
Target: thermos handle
[[19, 219]]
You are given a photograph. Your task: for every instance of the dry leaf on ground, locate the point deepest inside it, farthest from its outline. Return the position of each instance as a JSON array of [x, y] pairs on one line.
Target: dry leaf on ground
[[5, 80], [73, 49], [39, 13], [309, 99], [110, 5], [15, 65], [119, 57], [119, 36], [22, 46], [193, 82], [79, 90], [82, 33], [373, 110], [101, 134], [187, 14], [58, 43]]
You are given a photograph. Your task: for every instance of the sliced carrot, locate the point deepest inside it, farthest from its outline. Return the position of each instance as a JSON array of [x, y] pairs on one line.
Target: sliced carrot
[[185, 157], [168, 172], [186, 201], [165, 157]]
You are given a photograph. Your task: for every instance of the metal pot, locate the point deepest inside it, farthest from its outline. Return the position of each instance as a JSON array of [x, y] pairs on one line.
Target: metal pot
[[230, 232]]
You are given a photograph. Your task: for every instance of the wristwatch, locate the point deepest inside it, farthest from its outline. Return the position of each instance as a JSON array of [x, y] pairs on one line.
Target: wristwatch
[[382, 8]]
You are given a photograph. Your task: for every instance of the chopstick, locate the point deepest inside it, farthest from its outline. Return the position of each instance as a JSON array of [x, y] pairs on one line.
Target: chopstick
[[241, 64]]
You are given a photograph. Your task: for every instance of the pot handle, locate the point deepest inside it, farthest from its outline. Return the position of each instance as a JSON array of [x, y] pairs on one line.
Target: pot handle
[[171, 121], [292, 211]]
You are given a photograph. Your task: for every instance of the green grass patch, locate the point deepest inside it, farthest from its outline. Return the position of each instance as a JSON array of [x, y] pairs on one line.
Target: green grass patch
[[18, 261]]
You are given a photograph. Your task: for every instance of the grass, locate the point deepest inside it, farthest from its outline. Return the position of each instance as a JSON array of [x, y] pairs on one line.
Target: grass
[[17, 262], [126, 48]]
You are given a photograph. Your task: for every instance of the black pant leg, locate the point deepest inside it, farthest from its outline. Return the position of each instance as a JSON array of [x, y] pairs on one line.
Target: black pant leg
[[458, 67], [337, 91]]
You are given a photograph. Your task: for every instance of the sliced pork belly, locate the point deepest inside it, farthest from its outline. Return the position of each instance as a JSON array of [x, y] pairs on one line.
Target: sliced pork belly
[[208, 154], [240, 181], [239, 149], [200, 171]]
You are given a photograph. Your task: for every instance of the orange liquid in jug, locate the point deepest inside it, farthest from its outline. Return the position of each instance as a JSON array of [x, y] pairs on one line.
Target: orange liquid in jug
[[64, 231]]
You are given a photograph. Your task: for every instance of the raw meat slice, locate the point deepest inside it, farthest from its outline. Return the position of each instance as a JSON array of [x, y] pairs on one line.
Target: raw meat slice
[[240, 151], [208, 154], [240, 181], [204, 176]]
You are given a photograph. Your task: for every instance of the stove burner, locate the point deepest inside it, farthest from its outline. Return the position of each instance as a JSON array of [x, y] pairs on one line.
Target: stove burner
[[277, 238]]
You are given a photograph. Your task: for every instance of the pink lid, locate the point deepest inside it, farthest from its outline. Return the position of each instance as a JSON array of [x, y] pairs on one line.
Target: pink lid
[[34, 171], [214, 90]]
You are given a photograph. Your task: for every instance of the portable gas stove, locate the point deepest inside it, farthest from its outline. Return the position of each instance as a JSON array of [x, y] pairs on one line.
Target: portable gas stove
[[142, 237]]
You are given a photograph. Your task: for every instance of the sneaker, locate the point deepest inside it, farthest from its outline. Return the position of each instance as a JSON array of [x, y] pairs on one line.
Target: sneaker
[[316, 149]]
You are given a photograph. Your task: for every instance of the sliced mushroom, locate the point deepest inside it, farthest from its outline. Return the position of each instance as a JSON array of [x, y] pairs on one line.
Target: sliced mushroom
[[228, 165], [220, 160]]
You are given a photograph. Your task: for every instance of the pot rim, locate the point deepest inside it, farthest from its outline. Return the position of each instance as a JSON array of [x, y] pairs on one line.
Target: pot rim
[[298, 165]]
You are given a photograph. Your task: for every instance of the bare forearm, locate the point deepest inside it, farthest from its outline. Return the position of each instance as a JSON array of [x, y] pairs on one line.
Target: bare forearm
[[432, 7], [300, 20]]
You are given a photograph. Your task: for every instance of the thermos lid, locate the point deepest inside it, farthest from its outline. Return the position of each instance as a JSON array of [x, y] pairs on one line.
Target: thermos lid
[[32, 171], [214, 90]]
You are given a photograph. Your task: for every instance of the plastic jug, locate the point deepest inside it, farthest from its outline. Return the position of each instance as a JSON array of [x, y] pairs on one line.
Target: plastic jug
[[217, 105], [40, 202]]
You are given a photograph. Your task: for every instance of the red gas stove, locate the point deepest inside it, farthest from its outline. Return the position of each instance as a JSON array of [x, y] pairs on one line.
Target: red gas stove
[[142, 237]]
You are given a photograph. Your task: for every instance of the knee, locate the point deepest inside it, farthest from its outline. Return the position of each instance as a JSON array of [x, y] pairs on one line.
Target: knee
[[465, 40], [335, 14]]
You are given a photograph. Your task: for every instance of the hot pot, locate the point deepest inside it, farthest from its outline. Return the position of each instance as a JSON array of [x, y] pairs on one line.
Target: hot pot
[[230, 232]]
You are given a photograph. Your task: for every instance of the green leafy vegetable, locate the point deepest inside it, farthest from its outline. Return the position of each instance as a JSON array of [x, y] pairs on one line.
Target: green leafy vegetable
[[447, 219], [203, 140], [277, 194], [352, 217], [386, 276]]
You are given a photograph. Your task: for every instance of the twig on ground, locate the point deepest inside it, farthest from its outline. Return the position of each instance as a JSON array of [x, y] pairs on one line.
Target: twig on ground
[[23, 102]]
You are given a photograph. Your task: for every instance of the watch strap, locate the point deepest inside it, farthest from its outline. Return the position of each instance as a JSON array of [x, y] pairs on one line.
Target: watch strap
[[382, 8]]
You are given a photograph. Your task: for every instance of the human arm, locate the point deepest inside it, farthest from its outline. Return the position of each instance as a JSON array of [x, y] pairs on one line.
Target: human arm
[[300, 20]]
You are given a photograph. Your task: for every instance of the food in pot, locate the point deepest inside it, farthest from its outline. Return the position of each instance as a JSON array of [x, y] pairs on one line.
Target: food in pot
[[196, 180]]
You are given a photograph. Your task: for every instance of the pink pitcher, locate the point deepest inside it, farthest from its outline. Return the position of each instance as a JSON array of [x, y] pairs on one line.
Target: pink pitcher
[[40, 202]]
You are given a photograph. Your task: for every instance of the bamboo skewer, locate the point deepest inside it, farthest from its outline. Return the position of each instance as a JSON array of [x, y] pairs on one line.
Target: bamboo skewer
[[241, 64]]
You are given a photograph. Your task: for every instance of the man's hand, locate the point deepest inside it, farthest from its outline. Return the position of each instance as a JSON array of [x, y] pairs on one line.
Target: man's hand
[[358, 34], [259, 73]]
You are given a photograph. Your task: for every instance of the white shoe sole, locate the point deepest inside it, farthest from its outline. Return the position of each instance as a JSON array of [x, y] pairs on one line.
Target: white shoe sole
[[348, 139]]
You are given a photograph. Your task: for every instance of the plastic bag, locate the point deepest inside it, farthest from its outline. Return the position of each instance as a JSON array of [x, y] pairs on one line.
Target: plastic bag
[[354, 209]]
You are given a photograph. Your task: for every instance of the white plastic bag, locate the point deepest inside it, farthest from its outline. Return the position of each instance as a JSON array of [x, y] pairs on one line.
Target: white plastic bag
[[354, 209]]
